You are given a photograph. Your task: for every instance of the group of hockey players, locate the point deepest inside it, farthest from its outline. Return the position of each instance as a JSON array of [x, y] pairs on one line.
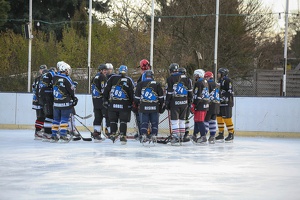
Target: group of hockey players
[[116, 95], [54, 100]]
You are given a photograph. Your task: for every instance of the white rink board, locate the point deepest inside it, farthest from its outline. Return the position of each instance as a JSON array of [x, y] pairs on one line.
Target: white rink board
[[266, 114], [249, 169]]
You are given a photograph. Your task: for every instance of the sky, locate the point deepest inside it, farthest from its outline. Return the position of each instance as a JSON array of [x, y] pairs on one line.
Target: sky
[[279, 6]]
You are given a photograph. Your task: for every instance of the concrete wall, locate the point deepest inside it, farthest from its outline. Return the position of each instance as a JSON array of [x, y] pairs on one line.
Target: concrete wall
[[265, 114]]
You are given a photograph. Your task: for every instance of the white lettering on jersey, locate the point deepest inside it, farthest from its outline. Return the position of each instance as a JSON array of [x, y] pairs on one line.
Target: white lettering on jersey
[[150, 108], [120, 106], [180, 102]]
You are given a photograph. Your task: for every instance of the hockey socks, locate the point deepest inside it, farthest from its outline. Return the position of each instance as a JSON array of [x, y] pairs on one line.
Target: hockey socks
[[221, 123], [229, 125]]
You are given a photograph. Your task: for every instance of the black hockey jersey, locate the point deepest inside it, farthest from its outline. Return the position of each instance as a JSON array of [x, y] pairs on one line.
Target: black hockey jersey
[[214, 96], [178, 90], [226, 92], [63, 91], [119, 92], [97, 87], [35, 92], [46, 87], [201, 94], [149, 96]]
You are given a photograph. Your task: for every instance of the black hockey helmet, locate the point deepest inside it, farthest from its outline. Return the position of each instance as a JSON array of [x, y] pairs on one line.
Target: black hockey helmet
[[102, 67], [43, 67], [223, 71], [182, 70], [174, 67], [149, 74]]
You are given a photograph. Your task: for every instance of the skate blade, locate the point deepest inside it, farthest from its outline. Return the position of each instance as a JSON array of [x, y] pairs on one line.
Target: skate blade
[[149, 143], [123, 143], [64, 141], [177, 144], [98, 141], [45, 140], [219, 141], [230, 141], [201, 144]]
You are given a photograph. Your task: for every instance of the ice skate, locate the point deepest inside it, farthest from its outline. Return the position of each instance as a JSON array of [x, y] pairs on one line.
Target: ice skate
[[143, 139], [123, 139], [175, 141], [202, 140], [46, 137], [54, 139], [153, 139], [65, 138], [38, 135], [194, 139], [114, 137], [220, 137], [211, 140], [186, 137], [137, 137], [97, 137], [229, 138]]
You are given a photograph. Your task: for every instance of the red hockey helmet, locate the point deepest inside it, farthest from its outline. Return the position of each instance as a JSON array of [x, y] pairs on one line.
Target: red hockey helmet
[[208, 74], [144, 64]]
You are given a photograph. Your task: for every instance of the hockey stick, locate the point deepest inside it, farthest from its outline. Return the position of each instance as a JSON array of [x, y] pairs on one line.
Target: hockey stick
[[72, 127], [86, 117], [168, 138], [85, 139]]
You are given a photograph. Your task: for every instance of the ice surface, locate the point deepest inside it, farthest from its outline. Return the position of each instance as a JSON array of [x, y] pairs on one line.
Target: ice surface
[[249, 168]]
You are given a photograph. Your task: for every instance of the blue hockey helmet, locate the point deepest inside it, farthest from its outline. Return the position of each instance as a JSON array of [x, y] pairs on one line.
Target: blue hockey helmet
[[123, 69]]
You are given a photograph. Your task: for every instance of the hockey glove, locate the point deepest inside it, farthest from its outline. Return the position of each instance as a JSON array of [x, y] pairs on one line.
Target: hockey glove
[[75, 101], [75, 83], [135, 108], [161, 109], [192, 109], [105, 104], [167, 105]]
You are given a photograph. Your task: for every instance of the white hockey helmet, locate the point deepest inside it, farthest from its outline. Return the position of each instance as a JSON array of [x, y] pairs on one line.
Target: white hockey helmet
[[199, 73], [59, 63], [109, 66], [65, 67]]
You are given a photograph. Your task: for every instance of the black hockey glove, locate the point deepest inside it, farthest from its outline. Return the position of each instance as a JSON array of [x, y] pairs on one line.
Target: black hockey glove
[[167, 105], [75, 101], [105, 104], [161, 109], [135, 108]]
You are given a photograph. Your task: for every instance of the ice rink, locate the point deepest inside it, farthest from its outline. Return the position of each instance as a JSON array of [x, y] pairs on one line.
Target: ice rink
[[249, 168]]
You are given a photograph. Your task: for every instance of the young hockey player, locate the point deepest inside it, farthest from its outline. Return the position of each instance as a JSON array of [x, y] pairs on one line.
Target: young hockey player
[[64, 100], [97, 87], [214, 106], [200, 106], [36, 105], [144, 65], [186, 137], [149, 98], [178, 95], [110, 70], [118, 98], [46, 94], [226, 104]]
